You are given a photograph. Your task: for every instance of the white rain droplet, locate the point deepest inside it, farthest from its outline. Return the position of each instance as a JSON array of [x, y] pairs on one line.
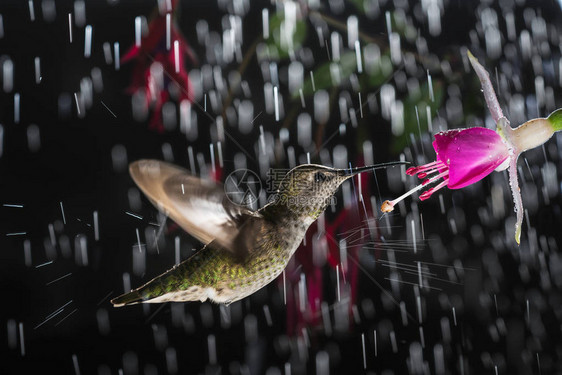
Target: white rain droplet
[[37, 65], [88, 41], [33, 138], [79, 13], [8, 75]]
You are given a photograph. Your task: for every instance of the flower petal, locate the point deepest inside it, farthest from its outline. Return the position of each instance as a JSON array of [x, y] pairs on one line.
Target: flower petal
[[471, 154], [517, 201], [487, 88]]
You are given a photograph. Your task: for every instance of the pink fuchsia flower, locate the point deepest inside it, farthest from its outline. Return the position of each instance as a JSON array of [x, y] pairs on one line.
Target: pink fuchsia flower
[[465, 156], [160, 65]]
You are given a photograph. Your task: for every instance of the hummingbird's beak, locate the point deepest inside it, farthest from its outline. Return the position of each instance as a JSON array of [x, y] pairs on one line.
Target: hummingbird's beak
[[353, 171]]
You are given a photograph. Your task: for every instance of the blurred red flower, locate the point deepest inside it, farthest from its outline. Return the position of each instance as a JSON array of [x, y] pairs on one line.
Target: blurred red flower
[[321, 248], [159, 69]]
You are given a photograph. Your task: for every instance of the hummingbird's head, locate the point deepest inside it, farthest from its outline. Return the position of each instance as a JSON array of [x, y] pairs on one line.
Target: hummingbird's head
[[309, 188]]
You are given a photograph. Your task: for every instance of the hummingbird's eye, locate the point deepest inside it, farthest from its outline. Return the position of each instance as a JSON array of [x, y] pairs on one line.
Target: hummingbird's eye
[[319, 176]]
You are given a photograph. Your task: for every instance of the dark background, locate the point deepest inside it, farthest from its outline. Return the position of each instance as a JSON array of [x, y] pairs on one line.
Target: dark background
[[74, 166]]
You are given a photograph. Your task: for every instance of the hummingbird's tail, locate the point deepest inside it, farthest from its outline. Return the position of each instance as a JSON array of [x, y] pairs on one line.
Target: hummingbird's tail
[[131, 298]]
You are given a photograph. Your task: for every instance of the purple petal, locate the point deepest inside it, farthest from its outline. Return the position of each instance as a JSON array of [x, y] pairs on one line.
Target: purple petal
[[487, 88], [471, 154]]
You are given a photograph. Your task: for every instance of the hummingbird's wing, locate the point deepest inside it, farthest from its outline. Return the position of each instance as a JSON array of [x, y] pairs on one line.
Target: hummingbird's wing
[[200, 207]]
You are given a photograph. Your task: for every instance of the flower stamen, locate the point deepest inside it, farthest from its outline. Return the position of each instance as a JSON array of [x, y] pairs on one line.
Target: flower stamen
[[437, 166], [432, 167]]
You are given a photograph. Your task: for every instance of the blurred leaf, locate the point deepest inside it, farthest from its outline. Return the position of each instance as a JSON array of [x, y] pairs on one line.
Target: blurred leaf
[[421, 100], [359, 4], [323, 76], [274, 42], [403, 27], [379, 72]]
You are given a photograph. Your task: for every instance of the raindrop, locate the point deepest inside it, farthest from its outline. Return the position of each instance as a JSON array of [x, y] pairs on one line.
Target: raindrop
[[160, 335], [130, 363], [434, 19], [86, 94], [97, 81], [107, 53], [126, 282], [395, 50], [81, 250], [321, 106], [352, 31], [79, 13], [48, 9], [323, 362], [31, 10], [296, 76], [117, 56], [212, 348], [12, 334], [342, 103], [493, 42], [335, 73], [525, 43], [387, 95], [304, 129], [138, 31], [27, 253], [268, 96], [171, 361], [139, 105], [139, 260], [102, 318], [119, 158], [37, 64], [397, 118], [336, 43], [169, 116], [88, 41], [540, 91], [265, 23], [33, 138], [17, 108], [202, 30], [340, 157], [251, 328]]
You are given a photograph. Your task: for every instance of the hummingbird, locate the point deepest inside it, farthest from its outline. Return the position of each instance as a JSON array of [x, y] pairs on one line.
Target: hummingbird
[[244, 249]]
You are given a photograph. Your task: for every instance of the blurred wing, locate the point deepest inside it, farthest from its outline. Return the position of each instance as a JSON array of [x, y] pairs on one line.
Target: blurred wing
[[199, 206]]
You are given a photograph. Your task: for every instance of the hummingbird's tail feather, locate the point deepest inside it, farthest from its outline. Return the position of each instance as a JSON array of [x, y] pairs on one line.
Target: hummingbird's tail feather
[[131, 298]]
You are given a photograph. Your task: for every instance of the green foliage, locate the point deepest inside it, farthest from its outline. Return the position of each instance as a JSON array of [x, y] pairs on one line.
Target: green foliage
[[275, 43], [420, 100], [359, 4], [324, 75], [377, 74]]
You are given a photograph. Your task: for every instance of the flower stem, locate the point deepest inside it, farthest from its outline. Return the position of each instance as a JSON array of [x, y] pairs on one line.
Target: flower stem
[[531, 134]]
